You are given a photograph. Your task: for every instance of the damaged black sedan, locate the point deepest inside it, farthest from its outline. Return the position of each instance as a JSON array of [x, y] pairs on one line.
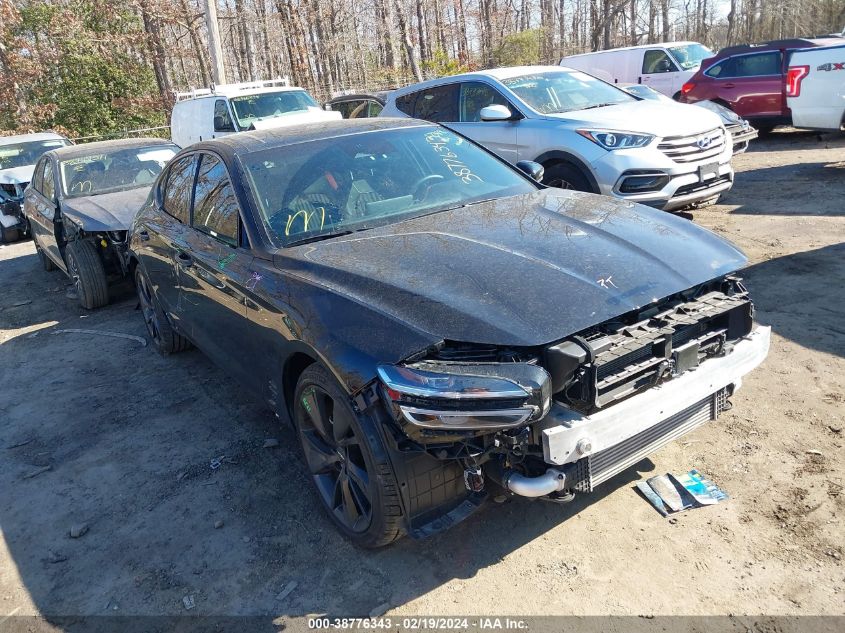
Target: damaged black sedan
[[80, 203], [435, 324]]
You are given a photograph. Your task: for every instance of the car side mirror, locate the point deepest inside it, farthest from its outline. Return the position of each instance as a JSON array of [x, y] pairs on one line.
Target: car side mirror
[[495, 112], [533, 170], [221, 124]]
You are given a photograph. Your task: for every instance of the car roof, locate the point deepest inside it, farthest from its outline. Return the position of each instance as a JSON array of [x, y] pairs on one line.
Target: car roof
[[637, 47], [79, 151], [38, 136], [257, 140], [492, 73]]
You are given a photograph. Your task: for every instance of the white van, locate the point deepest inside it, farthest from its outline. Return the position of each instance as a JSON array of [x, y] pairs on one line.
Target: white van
[[662, 67], [200, 115]]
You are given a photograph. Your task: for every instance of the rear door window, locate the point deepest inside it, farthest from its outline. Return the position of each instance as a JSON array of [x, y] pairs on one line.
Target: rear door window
[[405, 103], [48, 185], [757, 65], [438, 104], [176, 197], [215, 205]]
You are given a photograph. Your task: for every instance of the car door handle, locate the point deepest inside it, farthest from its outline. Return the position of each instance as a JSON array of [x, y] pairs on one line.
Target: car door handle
[[144, 236], [730, 85], [210, 278], [184, 260]]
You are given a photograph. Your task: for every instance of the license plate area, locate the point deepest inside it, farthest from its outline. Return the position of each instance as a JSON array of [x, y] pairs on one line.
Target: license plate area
[[708, 172]]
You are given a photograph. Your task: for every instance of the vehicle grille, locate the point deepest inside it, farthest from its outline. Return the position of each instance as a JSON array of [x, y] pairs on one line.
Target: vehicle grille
[[612, 461], [691, 149], [626, 357]]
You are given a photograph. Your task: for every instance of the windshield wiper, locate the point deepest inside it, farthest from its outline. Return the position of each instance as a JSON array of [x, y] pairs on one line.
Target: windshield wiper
[[599, 105], [316, 238]]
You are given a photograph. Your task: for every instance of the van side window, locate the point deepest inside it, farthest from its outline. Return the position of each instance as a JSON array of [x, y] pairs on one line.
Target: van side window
[[476, 95], [215, 205], [222, 118], [176, 196], [657, 61], [438, 104]]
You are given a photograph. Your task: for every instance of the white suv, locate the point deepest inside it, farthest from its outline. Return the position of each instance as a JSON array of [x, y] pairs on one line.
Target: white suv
[[587, 134]]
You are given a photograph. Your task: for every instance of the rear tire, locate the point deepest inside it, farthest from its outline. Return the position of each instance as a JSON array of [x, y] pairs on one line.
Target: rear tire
[[86, 269], [165, 338], [48, 264], [566, 176], [347, 461]]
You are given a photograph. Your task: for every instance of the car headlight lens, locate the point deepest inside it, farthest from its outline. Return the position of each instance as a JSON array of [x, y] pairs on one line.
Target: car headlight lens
[[611, 140], [475, 396]]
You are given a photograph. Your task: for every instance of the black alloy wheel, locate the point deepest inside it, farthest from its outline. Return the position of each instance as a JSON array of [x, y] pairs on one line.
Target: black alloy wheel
[[566, 176], [353, 478], [165, 339]]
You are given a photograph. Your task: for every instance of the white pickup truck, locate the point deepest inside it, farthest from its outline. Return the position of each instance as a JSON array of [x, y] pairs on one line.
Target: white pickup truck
[[815, 87]]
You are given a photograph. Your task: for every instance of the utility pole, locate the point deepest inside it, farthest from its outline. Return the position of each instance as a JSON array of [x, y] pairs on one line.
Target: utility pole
[[218, 73]]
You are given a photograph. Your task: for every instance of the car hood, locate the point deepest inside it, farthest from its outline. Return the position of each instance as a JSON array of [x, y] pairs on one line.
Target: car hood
[[16, 175], [314, 115], [649, 117], [106, 212], [525, 271]]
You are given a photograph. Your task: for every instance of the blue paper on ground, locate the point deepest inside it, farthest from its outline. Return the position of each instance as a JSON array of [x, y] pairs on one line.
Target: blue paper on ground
[[670, 493]]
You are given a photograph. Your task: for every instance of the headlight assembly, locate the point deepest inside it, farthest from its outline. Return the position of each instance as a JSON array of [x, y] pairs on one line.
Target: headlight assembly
[[476, 396], [610, 139]]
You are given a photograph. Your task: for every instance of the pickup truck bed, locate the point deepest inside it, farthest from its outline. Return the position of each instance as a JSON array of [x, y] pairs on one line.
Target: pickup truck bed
[[815, 87]]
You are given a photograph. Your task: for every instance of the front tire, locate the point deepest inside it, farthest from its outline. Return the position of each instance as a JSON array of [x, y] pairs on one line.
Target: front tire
[[86, 270], [165, 338], [566, 176], [347, 462]]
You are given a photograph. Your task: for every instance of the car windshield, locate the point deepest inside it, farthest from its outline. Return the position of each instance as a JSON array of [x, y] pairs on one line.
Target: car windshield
[[565, 91], [28, 153], [337, 185], [116, 170], [268, 105], [689, 56]]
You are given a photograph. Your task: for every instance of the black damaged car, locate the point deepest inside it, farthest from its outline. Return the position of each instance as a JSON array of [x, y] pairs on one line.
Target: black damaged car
[[436, 325], [80, 203]]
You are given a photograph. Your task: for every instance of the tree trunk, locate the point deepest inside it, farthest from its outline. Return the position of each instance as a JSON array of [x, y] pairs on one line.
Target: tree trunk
[[409, 46]]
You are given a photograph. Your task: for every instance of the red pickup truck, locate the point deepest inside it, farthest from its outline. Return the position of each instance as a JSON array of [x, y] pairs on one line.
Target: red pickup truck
[[750, 80]]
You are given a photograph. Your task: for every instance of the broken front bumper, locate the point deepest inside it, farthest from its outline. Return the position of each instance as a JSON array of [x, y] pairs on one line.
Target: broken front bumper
[[604, 443]]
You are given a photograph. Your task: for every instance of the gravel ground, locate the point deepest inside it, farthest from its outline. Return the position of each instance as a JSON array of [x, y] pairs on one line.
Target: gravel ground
[[102, 433]]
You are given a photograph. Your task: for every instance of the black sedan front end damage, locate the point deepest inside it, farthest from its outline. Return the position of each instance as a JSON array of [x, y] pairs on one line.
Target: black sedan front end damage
[[551, 421], [12, 218]]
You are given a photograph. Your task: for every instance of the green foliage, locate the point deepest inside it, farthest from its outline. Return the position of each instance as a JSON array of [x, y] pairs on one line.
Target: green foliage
[[441, 65], [84, 69], [519, 49]]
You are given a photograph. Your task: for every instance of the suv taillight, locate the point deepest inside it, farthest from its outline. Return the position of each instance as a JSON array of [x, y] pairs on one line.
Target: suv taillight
[[687, 87], [793, 80]]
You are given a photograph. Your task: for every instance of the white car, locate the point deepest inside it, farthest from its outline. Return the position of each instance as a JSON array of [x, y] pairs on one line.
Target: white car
[[587, 134], [662, 67], [204, 114], [815, 87], [18, 155]]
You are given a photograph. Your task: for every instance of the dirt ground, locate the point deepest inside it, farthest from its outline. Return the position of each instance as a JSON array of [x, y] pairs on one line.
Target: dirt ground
[[129, 438]]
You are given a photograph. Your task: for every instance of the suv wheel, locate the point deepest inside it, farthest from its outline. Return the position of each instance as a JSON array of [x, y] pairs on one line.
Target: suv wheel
[[164, 337], [566, 176], [86, 270], [347, 461]]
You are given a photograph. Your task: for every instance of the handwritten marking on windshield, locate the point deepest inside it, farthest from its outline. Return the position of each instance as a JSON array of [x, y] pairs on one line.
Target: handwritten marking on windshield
[[439, 142], [607, 282]]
